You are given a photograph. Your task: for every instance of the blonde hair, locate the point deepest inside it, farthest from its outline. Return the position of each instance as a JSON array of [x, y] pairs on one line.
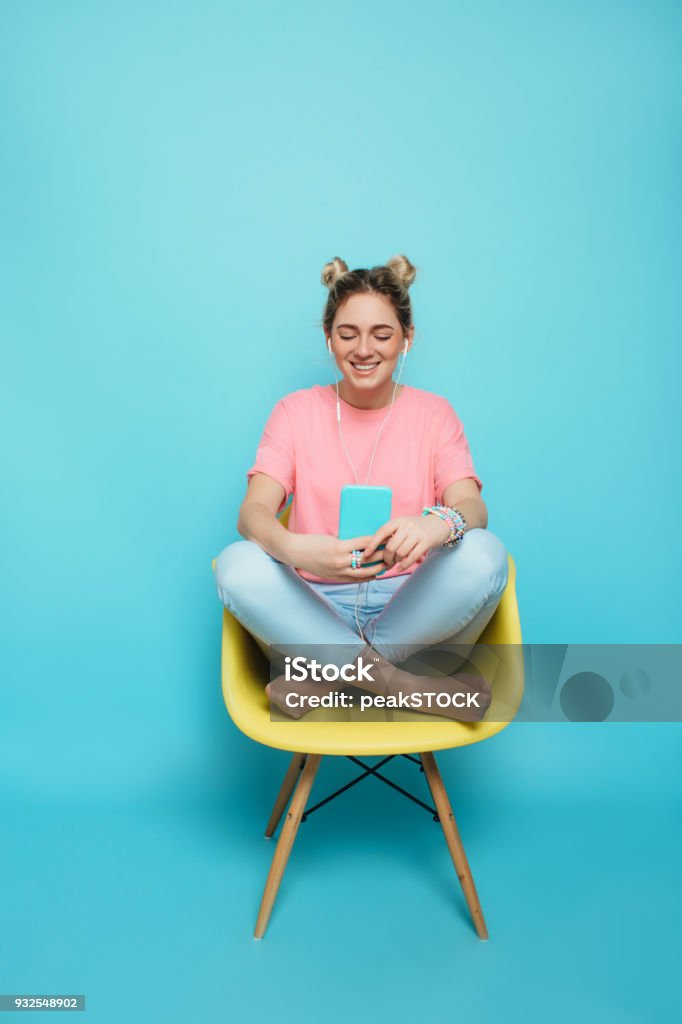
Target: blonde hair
[[392, 280]]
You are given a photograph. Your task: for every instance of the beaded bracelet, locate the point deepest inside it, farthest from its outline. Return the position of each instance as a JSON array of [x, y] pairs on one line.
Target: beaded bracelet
[[453, 517], [460, 525]]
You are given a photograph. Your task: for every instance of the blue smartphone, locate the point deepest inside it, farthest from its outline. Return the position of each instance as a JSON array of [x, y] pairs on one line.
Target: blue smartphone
[[362, 511]]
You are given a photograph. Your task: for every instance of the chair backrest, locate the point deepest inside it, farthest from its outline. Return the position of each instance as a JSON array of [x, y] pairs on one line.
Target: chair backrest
[[283, 516]]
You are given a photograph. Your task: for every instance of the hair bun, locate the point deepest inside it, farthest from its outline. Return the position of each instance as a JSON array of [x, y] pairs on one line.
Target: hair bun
[[403, 269], [333, 270]]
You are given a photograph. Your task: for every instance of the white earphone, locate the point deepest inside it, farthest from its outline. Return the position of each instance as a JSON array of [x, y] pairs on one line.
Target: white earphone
[[338, 418]]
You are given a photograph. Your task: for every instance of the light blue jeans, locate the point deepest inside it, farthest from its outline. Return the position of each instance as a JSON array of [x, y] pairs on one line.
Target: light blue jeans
[[448, 599]]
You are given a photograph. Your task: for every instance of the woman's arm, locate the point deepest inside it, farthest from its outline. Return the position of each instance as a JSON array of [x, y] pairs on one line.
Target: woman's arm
[[465, 496], [258, 518], [319, 554]]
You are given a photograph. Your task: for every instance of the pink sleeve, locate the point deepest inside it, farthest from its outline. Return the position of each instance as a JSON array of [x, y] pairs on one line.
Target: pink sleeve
[[275, 455], [452, 459]]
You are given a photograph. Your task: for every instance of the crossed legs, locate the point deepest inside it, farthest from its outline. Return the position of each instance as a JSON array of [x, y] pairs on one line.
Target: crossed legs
[[448, 600]]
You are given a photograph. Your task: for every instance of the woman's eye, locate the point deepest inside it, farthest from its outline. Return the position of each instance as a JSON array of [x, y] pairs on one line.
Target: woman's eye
[[380, 337]]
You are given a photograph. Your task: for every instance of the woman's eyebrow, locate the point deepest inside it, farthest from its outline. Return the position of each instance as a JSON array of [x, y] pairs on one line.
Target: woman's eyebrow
[[354, 326]]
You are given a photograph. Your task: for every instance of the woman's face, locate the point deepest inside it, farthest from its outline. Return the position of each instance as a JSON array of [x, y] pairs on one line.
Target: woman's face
[[366, 333]]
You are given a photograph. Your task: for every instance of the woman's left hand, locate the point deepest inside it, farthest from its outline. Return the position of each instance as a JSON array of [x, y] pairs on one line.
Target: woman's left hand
[[407, 539]]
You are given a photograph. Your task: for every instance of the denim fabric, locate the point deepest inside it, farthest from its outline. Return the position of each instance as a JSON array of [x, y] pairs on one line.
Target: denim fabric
[[450, 597]]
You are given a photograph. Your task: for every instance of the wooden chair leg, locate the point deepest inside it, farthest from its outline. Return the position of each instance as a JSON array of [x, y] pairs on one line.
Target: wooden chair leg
[[452, 838], [286, 841], [290, 780]]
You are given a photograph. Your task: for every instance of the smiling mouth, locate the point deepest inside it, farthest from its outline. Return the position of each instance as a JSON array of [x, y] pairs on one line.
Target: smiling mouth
[[365, 368]]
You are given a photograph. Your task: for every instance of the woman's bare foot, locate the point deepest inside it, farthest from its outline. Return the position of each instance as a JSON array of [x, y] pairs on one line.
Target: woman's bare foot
[[471, 692], [464, 697], [278, 690]]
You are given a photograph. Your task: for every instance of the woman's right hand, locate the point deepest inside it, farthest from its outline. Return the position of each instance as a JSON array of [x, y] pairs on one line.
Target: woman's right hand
[[330, 558]]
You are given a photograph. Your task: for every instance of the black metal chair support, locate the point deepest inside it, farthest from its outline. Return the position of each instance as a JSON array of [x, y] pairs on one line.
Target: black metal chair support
[[374, 771]]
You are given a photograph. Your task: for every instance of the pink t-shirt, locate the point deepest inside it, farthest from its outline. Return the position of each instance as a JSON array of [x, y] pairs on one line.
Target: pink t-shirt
[[421, 451]]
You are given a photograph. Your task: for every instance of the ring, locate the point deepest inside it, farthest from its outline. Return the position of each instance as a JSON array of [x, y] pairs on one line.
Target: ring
[[355, 558]]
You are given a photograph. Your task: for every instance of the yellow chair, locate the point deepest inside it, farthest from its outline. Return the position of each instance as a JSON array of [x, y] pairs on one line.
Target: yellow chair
[[245, 673]]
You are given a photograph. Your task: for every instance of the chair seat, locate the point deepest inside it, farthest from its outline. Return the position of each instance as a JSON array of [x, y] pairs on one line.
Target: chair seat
[[245, 673]]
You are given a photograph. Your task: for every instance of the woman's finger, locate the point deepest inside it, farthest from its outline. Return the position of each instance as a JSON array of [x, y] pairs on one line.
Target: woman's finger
[[377, 538], [362, 573], [397, 541], [407, 560]]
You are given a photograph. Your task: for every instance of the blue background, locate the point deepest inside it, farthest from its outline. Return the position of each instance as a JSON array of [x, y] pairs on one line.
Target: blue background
[[174, 176]]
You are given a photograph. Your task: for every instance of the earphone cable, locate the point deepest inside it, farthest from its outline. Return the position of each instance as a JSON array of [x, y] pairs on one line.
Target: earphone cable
[[383, 423]]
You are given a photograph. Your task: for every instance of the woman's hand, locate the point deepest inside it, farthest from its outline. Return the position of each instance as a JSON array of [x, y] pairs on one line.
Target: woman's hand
[[330, 557], [410, 537]]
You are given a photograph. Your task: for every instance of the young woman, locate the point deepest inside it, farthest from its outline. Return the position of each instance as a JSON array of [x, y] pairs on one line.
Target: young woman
[[443, 571]]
